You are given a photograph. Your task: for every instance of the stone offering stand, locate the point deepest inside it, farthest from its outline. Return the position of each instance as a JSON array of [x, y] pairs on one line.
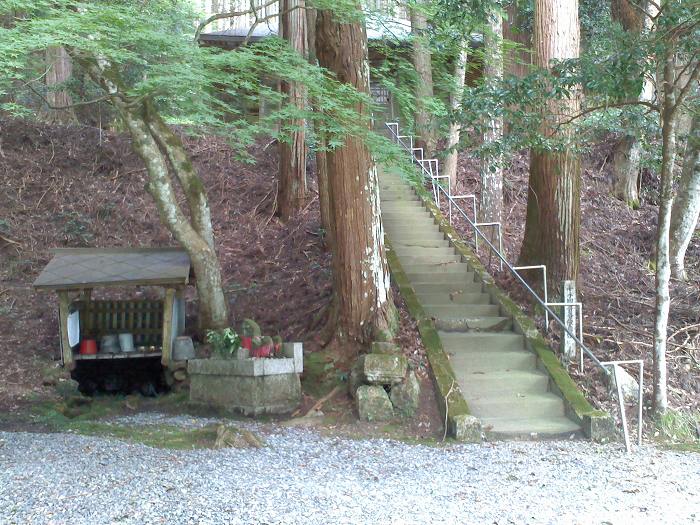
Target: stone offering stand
[[382, 384], [251, 385]]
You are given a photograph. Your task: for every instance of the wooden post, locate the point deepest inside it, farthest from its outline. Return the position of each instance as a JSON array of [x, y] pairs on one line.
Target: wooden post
[[568, 345], [180, 298], [167, 326], [63, 311]]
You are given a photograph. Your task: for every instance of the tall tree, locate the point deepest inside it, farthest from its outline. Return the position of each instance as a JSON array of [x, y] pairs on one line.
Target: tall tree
[[292, 169], [686, 206], [627, 153], [553, 201], [518, 57], [450, 165], [321, 146], [360, 274], [491, 170], [422, 62], [59, 69]]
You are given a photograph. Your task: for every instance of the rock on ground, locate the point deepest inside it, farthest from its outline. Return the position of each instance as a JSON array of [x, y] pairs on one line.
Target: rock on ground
[[300, 477]]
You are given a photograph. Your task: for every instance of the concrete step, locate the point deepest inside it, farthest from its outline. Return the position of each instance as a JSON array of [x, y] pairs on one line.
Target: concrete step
[[496, 324], [460, 287], [412, 250], [472, 313], [455, 298], [396, 194], [397, 213], [389, 207], [426, 259], [418, 237], [409, 223], [516, 405], [462, 311], [419, 243], [437, 277], [467, 363], [482, 341], [452, 267], [479, 385], [548, 427]]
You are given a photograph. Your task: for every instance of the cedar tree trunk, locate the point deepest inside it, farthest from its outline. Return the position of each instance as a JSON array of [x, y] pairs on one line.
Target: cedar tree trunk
[[292, 175], [360, 274], [518, 59], [59, 70], [553, 201], [422, 62], [627, 153], [491, 206], [450, 165]]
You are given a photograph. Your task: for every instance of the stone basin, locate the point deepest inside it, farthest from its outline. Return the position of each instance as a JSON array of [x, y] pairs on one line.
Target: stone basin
[[252, 386]]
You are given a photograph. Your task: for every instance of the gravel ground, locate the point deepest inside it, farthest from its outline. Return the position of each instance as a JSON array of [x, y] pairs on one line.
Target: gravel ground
[[302, 477]]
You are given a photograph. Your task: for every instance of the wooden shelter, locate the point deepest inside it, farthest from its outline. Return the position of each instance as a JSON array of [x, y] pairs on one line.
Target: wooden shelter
[[73, 273]]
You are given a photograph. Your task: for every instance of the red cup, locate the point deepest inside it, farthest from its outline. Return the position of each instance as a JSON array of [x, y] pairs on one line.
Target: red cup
[[88, 347]]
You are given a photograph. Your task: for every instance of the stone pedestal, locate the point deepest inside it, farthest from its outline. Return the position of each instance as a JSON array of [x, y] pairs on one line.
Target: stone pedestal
[[253, 386]]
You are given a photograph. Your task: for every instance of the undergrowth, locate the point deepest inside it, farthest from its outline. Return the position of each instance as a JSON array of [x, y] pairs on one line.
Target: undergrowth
[[679, 430]]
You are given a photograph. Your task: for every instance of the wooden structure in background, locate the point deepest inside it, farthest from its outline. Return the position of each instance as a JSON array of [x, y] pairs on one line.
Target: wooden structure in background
[[73, 273]]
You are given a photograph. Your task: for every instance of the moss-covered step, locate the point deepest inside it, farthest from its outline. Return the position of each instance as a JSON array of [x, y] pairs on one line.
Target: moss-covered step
[[505, 377]]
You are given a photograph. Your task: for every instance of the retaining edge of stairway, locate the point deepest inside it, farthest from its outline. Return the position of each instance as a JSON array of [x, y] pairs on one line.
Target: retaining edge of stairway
[[597, 425], [461, 424]]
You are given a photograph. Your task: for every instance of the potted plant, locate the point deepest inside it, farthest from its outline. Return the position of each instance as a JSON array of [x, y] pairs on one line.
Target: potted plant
[[224, 343]]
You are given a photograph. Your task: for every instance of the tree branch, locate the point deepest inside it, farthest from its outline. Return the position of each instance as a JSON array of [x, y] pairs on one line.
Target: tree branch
[[233, 14], [650, 105], [683, 93], [69, 106]]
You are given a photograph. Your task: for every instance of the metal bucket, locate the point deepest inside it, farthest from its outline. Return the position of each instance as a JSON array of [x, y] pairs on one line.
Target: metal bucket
[[126, 342], [109, 344], [183, 348]]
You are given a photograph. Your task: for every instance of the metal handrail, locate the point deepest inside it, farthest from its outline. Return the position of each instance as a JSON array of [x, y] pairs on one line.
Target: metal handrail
[[510, 268]]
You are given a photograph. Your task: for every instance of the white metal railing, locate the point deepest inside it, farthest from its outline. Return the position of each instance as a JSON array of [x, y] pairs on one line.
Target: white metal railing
[[430, 171]]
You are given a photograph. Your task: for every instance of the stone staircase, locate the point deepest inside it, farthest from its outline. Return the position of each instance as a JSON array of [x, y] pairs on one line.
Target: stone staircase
[[498, 375]]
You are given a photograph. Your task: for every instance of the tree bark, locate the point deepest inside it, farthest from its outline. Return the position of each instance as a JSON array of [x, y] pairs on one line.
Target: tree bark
[[59, 70], [292, 170], [163, 152], [450, 165], [686, 206], [491, 205], [627, 153], [553, 203], [663, 263], [422, 62], [213, 308], [518, 60], [360, 273]]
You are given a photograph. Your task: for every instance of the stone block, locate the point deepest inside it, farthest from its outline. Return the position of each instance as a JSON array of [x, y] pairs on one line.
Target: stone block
[[275, 366], [406, 396], [382, 369], [242, 353], [465, 427], [250, 395], [628, 384], [373, 404], [379, 347], [296, 352]]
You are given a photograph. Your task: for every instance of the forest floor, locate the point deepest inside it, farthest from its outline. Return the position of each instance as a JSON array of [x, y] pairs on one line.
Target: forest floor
[[77, 186], [616, 284]]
